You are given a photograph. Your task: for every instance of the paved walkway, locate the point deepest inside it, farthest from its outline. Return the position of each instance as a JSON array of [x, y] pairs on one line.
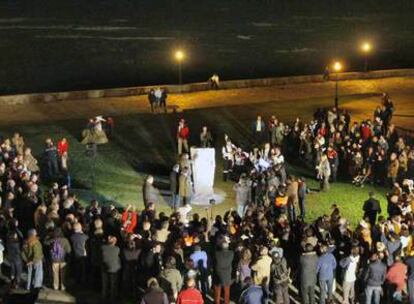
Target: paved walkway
[[366, 94]]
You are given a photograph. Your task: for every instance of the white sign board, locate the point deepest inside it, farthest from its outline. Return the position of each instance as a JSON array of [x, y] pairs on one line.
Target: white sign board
[[204, 165]]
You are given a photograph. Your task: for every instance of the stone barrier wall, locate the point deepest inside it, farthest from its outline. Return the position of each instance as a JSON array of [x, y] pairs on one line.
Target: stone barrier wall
[[194, 87]]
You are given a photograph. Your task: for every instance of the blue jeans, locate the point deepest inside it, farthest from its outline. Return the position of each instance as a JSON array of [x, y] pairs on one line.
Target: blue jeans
[[326, 290], [373, 292], [37, 277], [175, 201]]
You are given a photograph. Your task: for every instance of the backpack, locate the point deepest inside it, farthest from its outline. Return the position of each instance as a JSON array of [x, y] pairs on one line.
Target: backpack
[[57, 252]]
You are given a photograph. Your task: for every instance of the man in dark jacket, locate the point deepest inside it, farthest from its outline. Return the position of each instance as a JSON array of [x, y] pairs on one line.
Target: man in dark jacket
[[174, 174], [374, 278], [308, 265], [372, 208], [78, 240], [111, 264], [51, 157], [223, 259]]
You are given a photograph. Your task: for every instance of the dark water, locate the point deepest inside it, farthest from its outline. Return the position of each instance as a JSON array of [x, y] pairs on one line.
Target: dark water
[[66, 45]]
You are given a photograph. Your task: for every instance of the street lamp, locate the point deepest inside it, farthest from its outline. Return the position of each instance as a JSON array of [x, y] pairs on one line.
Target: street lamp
[[366, 49], [179, 56], [337, 67]]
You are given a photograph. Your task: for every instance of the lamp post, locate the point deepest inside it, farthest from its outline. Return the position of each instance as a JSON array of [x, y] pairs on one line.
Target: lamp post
[[179, 56], [337, 67], [366, 49]]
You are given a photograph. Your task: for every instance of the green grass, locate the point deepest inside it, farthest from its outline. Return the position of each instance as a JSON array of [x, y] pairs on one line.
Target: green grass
[[144, 144]]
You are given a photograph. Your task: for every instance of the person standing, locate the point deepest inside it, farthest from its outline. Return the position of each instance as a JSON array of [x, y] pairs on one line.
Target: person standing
[[171, 279], [259, 130], [308, 266], [280, 279], [206, 140], [32, 255], [326, 273], [262, 266], [393, 168], [223, 260], [78, 240], [111, 264], [409, 261], [228, 151], [154, 293], [190, 294], [350, 266], [14, 257], [302, 192], [185, 187], [372, 208], [243, 194], [174, 174], [51, 156], [151, 99], [59, 249], [396, 277], [324, 172], [374, 278], [183, 133]]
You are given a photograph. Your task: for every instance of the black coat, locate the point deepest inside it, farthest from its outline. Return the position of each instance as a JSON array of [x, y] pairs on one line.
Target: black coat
[[174, 182], [308, 266], [223, 266]]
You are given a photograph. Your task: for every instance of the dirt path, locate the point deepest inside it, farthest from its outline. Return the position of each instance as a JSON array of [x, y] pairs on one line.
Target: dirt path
[[365, 93]]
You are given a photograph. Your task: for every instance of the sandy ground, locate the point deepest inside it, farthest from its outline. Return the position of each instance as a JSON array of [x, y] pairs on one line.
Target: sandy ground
[[363, 93]]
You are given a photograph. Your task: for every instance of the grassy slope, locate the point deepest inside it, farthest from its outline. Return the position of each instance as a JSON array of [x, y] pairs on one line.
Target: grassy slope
[[145, 143]]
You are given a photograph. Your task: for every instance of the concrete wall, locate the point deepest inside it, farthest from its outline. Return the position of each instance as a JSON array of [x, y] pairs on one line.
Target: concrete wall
[[194, 87]]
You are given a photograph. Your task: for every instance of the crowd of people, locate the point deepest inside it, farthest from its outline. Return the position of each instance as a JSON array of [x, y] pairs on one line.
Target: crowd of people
[[251, 254]]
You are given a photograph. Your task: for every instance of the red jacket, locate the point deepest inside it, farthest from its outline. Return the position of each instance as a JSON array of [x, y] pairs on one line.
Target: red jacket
[[365, 132], [184, 132], [190, 296], [62, 147], [129, 221], [397, 274]]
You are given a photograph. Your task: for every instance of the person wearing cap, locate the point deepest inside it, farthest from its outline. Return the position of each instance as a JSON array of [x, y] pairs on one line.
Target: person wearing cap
[[111, 264], [371, 208], [171, 279], [223, 261], [154, 293], [280, 279], [32, 255], [191, 295]]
